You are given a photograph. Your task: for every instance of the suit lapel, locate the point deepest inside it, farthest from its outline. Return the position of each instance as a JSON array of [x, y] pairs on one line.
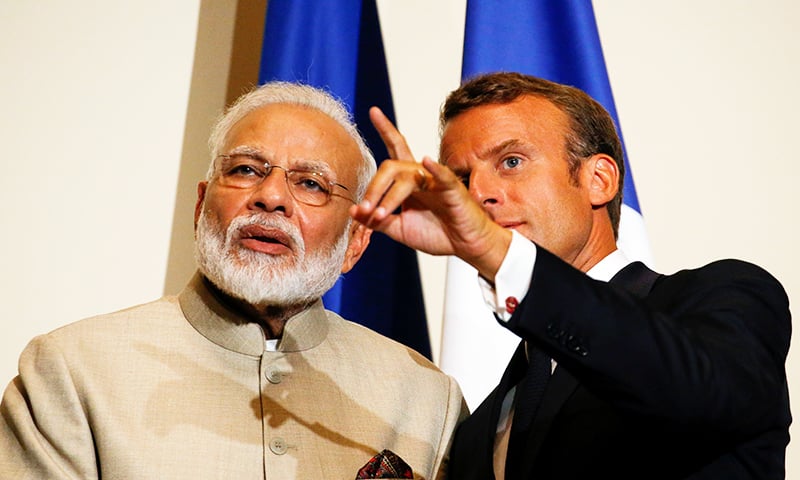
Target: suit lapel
[[560, 387]]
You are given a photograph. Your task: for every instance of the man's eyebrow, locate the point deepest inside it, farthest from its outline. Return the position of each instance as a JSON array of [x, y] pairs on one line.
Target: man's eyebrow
[[315, 165], [249, 150], [311, 164], [502, 147]]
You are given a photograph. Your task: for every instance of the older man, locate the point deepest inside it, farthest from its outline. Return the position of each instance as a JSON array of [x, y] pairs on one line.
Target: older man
[[244, 374]]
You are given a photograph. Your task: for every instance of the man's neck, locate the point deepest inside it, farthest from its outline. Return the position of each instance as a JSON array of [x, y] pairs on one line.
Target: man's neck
[[600, 243]]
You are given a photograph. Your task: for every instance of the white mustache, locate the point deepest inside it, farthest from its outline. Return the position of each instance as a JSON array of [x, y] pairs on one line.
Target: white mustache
[[266, 221]]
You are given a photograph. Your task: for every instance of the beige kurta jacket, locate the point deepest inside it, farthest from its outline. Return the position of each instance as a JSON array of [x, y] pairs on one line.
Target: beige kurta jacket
[[182, 388]]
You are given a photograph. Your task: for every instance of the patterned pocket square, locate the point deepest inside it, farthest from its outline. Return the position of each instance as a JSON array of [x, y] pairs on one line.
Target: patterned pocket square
[[385, 465]]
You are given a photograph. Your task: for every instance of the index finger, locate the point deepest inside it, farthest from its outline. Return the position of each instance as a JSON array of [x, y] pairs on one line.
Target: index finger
[[394, 140]]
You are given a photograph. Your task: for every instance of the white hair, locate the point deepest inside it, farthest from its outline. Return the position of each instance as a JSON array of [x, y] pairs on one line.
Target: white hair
[[293, 94]]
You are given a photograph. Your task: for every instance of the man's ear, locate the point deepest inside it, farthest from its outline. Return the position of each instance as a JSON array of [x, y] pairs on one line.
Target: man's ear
[[359, 239], [604, 181], [201, 196]]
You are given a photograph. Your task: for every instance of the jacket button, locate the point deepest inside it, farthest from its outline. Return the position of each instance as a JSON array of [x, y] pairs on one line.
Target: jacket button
[[273, 376], [554, 332], [278, 446], [574, 345]]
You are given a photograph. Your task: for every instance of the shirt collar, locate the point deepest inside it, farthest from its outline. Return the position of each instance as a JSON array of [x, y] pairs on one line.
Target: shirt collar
[[609, 266]]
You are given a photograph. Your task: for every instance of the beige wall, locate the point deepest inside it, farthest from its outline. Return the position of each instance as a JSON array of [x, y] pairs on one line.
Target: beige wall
[[93, 99], [104, 109]]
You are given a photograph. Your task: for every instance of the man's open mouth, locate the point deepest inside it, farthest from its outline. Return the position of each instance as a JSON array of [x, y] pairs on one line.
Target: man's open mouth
[[253, 235]]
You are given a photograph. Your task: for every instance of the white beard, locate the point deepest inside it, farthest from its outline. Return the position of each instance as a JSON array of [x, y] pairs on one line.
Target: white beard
[[261, 279]]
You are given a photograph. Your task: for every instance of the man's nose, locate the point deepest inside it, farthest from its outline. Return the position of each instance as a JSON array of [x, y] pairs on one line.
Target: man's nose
[[273, 194], [484, 188]]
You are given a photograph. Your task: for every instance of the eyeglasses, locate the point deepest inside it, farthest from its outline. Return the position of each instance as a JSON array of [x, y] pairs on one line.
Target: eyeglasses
[[243, 170]]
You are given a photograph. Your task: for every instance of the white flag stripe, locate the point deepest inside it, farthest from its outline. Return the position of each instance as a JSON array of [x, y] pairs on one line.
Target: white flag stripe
[[633, 237], [475, 347]]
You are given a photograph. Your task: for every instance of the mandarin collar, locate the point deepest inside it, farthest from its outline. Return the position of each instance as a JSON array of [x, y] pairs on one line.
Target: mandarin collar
[[232, 331]]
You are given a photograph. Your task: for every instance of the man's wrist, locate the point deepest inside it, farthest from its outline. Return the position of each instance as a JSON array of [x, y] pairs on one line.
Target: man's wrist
[[490, 262]]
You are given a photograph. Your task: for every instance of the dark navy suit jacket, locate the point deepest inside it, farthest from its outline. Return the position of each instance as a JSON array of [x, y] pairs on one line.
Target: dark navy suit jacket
[[658, 377]]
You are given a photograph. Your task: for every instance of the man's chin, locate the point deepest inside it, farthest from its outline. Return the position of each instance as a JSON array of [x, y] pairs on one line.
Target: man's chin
[[269, 286]]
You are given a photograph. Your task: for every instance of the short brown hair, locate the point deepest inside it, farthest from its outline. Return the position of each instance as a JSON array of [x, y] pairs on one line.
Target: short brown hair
[[592, 130]]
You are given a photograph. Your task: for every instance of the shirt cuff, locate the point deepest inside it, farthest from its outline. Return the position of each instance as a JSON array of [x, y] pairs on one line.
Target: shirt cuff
[[513, 279]]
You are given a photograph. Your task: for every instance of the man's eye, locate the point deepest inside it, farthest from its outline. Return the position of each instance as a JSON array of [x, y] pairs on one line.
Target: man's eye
[[245, 170], [465, 180], [309, 182], [511, 162]]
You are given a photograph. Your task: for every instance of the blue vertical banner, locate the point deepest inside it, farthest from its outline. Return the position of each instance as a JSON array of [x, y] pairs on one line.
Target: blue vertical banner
[[553, 39], [337, 45]]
